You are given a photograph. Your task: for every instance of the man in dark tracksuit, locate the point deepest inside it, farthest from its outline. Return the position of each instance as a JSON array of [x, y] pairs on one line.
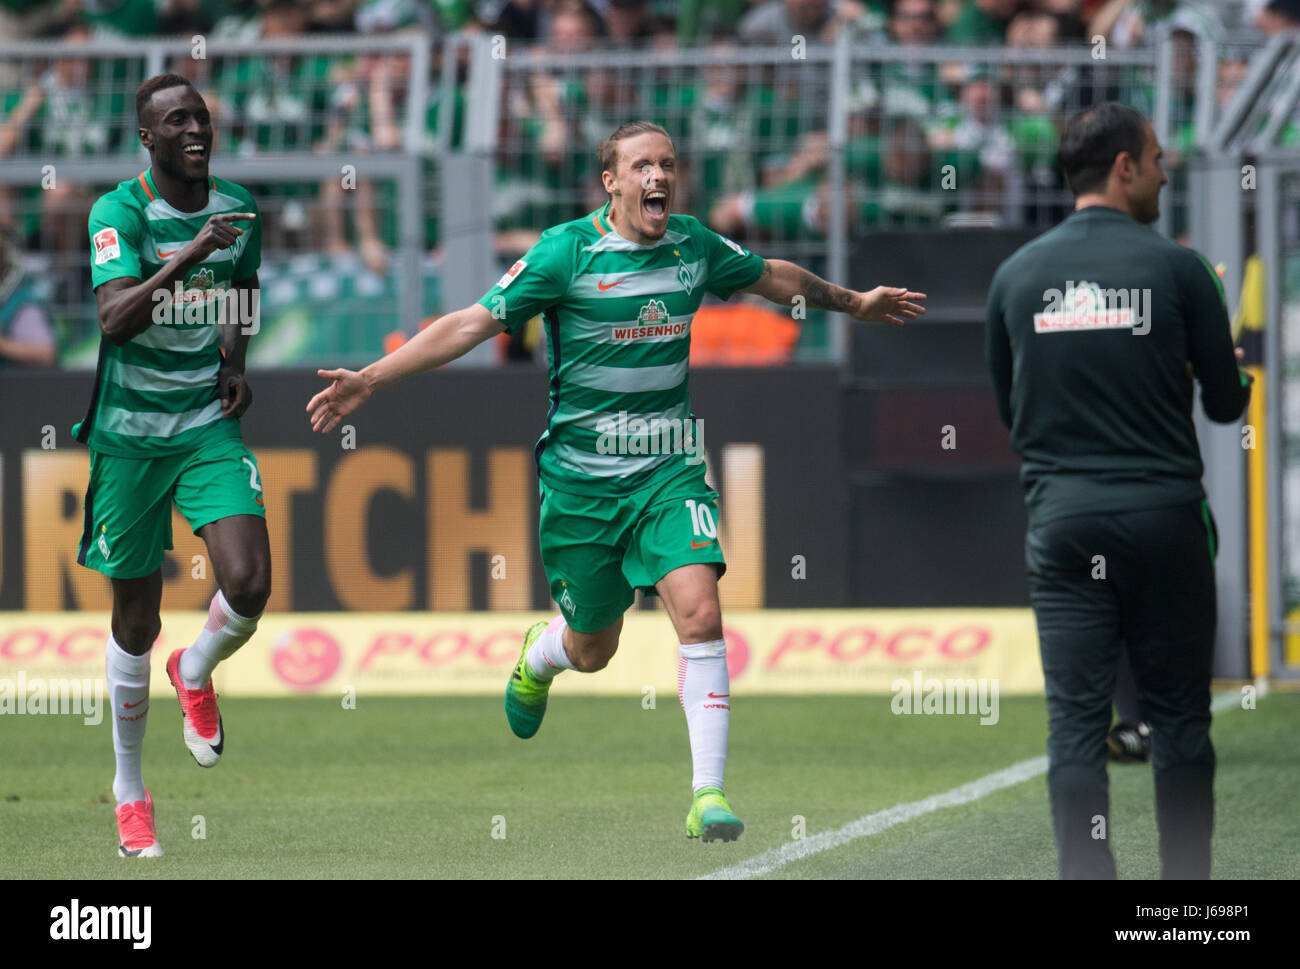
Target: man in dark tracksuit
[[1095, 331]]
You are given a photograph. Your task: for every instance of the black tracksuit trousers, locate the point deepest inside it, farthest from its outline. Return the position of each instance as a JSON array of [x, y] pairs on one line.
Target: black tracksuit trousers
[[1141, 580]]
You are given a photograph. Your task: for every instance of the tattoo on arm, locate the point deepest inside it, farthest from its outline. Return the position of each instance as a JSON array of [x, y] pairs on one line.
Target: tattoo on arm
[[822, 295]]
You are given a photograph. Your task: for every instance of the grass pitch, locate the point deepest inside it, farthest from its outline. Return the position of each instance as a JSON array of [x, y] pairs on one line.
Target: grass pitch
[[439, 788]]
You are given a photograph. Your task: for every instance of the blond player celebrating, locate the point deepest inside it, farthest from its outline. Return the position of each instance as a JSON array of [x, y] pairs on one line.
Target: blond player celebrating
[[618, 288]]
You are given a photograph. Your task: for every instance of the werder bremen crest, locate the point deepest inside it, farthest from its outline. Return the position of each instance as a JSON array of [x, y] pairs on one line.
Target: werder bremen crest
[[685, 275]]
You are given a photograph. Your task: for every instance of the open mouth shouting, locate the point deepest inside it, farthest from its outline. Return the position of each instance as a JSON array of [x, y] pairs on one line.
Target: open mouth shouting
[[654, 206]]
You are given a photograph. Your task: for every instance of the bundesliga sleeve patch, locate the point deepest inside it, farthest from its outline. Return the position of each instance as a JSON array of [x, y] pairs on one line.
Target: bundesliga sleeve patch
[[739, 251], [511, 273], [106, 246]]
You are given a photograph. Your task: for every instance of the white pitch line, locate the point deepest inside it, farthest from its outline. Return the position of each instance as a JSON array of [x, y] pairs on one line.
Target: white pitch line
[[1225, 701], [870, 824]]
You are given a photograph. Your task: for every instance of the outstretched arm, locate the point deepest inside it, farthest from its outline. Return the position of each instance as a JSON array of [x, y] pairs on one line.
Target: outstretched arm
[[447, 338], [783, 282]]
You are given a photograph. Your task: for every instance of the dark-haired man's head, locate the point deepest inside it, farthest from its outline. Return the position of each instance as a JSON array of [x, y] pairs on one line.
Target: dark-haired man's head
[[1002, 9], [285, 18], [1110, 156], [1033, 28], [628, 20], [809, 16], [573, 29], [175, 127], [907, 152], [1278, 16], [913, 22]]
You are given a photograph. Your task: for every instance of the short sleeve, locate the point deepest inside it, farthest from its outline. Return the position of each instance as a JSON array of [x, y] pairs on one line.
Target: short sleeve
[[250, 256], [730, 267], [115, 240], [532, 285]]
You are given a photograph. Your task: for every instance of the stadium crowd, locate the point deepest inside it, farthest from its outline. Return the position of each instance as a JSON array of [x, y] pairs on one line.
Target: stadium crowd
[[1124, 23], [753, 138]]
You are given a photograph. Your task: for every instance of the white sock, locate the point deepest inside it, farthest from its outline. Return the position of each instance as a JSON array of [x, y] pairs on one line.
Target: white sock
[[547, 657], [223, 633], [128, 695], [704, 690]]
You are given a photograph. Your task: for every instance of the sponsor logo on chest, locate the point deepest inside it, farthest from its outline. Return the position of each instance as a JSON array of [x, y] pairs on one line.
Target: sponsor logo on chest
[[653, 322]]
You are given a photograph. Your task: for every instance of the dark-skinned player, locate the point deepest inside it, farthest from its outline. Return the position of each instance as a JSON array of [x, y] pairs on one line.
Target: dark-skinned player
[[175, 253]]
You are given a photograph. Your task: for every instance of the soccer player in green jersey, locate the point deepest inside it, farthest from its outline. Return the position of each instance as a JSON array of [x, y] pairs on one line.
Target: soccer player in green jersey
[[624, 502], [169, 264]]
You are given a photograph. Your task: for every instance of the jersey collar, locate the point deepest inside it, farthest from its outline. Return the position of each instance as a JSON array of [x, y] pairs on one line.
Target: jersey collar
[[145, 178], [1106, 211], [601, 220]]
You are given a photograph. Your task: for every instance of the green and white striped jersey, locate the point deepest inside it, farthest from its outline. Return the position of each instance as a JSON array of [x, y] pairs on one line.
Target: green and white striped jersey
[[157, 393], [618, 326]]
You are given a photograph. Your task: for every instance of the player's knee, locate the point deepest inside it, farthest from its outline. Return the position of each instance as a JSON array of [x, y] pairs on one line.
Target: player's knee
[[702, 622], [247, 588], [592, 652], [598, 659], [594, 656], [137, 634]]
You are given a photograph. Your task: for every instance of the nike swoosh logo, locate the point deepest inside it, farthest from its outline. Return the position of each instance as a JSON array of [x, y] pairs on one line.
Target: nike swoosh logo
[[702, 544], [719, 696], [132, 706], [165, 255], [220, 745], [602, 286]]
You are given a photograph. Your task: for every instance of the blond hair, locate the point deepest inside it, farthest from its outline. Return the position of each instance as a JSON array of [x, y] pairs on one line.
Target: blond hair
[[607, 153]]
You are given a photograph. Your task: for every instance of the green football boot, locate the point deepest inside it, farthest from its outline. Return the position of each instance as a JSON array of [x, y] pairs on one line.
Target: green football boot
[[711, 818], [525, 694]]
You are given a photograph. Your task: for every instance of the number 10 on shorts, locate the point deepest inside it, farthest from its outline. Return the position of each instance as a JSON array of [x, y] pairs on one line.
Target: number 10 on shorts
[[702, 522]]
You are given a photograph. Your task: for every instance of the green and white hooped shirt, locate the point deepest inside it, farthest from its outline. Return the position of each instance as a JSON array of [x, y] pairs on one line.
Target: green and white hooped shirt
[[157, 393], [618, 325]]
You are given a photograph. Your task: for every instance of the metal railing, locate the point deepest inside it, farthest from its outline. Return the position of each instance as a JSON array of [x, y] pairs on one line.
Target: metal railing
[[797, 152], [331, 134], [1243, 200]]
